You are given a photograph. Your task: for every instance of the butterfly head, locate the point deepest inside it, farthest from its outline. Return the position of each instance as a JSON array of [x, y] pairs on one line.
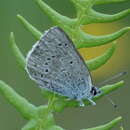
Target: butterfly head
[[95, 91]]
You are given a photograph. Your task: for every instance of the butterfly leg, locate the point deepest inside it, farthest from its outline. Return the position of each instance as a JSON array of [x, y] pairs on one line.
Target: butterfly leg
[[91, 101], [81, 103], [68, 99]]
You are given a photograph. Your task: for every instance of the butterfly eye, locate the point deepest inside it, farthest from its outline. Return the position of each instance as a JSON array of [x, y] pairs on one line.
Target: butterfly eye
[[93, 91]]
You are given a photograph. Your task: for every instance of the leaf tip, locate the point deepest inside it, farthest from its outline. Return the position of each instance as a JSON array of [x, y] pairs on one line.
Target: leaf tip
[[127, 28], [12, 39], [119, 118], [19, 16]]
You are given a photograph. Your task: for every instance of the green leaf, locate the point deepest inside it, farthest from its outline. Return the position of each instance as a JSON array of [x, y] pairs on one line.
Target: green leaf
[[58, 19], [97, 62], [30, 125], [16, 51], [35, 32], [109, 1], [86, 40], [26, 109], [110, 88], [96, 17], [107, 126]]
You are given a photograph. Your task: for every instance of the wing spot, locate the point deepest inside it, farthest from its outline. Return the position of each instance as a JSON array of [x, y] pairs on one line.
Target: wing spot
[[46, 63], [46, 83], [53, 56], [46, 70], [65, 44], [35, 65], [41, 75], [48, 58], [60, 44], [37, 46], [35, 74], [71, 62]]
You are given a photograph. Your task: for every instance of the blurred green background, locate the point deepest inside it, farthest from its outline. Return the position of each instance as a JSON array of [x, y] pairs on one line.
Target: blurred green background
[[11, 73]]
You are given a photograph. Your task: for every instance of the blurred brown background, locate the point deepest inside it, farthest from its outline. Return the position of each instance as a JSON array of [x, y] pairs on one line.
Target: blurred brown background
[[11, 73]]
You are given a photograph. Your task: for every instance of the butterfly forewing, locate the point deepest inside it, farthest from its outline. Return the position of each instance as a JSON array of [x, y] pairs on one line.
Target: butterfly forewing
[[55, 64]]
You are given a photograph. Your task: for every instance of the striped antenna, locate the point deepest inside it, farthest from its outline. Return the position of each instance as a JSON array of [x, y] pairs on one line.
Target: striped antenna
[[112, 78]]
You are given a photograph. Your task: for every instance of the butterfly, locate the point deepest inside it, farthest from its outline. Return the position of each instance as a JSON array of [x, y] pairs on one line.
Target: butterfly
[[55, 65]]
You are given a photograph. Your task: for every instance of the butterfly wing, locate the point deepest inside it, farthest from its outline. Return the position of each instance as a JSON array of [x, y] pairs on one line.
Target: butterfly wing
[[55, 64]]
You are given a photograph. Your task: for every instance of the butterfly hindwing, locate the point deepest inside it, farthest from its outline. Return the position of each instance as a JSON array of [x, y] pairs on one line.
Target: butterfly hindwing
[[55, 64]]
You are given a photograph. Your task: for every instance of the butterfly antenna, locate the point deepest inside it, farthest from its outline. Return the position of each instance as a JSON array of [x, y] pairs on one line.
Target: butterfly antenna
[[117, 110], [115, 106], [113, 77], [112, 102], [122, 126]]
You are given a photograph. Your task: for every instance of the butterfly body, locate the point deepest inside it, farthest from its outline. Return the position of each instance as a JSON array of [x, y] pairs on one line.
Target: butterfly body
[[55, 64]]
